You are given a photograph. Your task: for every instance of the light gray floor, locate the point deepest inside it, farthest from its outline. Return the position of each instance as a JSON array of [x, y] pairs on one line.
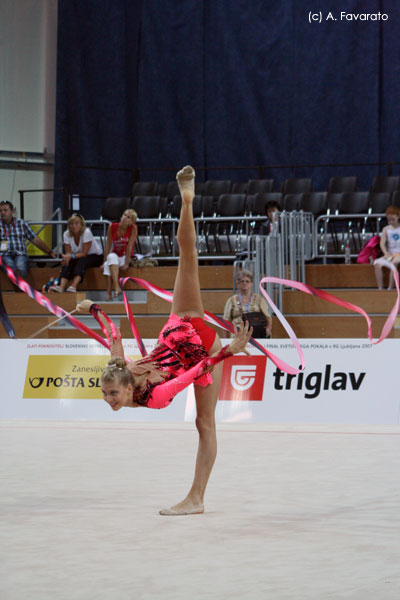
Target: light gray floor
[[292, 512]]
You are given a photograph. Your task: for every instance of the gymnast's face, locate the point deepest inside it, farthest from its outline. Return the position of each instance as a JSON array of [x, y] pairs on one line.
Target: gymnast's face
[[117, 395]]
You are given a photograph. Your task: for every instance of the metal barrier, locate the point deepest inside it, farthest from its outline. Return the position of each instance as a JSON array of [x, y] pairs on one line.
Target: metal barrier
[[282, 253], [343, 236]]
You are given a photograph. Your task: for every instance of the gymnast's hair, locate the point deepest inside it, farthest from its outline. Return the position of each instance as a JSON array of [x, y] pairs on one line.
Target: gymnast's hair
[[117, 372]]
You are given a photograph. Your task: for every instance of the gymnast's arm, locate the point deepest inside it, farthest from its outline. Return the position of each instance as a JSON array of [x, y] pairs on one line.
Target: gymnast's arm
[[111, 331]]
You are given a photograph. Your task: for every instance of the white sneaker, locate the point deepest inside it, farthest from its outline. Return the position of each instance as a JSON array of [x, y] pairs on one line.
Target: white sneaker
[[71, 289]]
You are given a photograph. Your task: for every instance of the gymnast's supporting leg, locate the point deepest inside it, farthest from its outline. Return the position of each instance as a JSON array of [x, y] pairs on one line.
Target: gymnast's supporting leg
[[187, 301]]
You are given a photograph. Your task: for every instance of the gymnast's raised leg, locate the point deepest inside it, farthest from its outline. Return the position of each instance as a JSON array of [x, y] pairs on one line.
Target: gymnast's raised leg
[[187, 301]]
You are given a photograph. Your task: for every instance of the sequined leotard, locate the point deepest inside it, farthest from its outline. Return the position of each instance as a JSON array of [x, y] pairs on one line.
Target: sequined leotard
[[179, 359]]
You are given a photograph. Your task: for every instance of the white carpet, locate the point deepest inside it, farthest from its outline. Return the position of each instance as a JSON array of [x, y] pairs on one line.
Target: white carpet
[[292, 512]]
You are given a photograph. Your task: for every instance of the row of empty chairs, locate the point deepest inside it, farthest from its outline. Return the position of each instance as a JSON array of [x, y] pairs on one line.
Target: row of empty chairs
[[317, 203], [293, 185]]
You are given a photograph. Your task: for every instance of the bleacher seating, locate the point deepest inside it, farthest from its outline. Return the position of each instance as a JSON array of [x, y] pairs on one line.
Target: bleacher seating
[[310, 316]]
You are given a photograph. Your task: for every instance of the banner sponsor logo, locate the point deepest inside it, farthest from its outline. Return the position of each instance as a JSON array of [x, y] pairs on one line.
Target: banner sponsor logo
[[243, 378], [313, 383], [64, 376]]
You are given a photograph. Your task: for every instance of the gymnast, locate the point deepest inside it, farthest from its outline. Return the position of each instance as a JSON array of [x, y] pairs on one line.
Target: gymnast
[[186, 352]]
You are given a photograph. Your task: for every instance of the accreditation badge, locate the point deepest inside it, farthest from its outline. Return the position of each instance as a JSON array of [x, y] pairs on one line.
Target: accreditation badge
[[4, 246]]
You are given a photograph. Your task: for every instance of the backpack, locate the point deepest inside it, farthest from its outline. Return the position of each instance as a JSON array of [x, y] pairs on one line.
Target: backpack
[[371, 250]]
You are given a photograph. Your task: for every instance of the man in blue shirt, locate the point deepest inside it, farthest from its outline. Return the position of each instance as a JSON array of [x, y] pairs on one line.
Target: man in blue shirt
[[13, 235]]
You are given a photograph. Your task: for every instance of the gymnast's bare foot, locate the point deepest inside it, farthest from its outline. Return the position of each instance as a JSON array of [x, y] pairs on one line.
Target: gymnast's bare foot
[[185, 178], [186, 507]]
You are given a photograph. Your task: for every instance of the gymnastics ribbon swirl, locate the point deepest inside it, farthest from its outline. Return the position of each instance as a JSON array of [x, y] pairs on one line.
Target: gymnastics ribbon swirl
[[46, 303], [308, 289], [209, 317], [214, 319], [278, 362]]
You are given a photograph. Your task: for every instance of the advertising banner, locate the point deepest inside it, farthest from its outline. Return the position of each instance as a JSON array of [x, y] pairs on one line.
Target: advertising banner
[[345, 381]]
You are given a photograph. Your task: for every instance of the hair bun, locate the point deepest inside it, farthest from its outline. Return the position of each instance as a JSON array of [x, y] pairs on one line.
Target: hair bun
[[116, 363]]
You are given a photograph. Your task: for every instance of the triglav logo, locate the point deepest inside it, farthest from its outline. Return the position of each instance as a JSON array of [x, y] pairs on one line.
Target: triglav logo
[[243, 377]]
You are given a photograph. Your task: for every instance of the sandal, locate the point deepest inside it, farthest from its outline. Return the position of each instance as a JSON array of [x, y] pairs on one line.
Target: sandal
[[71, 289]]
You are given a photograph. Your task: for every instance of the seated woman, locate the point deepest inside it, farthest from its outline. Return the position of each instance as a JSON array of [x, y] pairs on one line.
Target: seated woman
[[121, 238], [390, 246], [186, 352], [246, 306], [81, 252]]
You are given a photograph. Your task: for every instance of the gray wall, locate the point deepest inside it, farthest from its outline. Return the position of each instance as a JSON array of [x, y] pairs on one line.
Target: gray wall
[[28, 46]]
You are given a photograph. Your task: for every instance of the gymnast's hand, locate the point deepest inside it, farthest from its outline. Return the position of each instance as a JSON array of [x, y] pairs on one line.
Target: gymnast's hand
[[242, 336], [84, 306]]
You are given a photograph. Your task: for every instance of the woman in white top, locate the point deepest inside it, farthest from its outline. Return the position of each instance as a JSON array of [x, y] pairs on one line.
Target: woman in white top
[[81, 252], [390, 246]]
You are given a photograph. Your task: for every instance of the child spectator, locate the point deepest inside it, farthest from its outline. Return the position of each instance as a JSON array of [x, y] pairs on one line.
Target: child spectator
[[272, 210], [390, 246]]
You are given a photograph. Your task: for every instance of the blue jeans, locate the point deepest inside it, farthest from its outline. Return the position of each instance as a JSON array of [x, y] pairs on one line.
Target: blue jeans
[[17, 262]]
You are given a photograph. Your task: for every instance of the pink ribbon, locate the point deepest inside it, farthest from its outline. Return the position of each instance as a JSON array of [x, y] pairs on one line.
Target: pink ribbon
[[308, 289], [210, 318], [46, 303]]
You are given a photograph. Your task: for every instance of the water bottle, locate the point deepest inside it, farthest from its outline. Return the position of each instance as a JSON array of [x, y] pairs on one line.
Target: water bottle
[[347, 256]]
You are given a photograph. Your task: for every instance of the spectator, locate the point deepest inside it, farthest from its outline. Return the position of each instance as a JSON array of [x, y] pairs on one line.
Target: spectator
[[13, 235], [121, 238], [247, 306], [272, 210], [390, 246], [81, 252]]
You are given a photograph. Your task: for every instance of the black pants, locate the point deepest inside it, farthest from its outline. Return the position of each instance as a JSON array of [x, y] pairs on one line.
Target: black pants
[[78, 266]]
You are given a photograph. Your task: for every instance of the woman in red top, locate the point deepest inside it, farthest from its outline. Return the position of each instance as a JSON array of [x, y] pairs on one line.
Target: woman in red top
[[121, 238]]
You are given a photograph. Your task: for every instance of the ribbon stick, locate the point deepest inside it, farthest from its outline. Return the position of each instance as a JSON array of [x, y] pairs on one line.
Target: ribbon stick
[[51, 324]]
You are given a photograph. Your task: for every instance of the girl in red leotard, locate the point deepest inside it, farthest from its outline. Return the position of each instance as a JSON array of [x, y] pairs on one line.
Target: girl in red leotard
[[187, 351]]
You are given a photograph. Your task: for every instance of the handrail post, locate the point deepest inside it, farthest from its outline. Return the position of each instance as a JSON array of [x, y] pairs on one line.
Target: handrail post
[[21, 203]]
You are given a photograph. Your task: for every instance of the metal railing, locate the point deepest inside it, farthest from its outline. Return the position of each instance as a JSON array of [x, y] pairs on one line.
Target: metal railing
[[338, 236], [283, 253], [59, 226]]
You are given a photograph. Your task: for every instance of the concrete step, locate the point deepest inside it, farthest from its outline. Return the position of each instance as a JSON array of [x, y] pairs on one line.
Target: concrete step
[[372, 301], [211, 277], [150, 326], [342, 276]]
